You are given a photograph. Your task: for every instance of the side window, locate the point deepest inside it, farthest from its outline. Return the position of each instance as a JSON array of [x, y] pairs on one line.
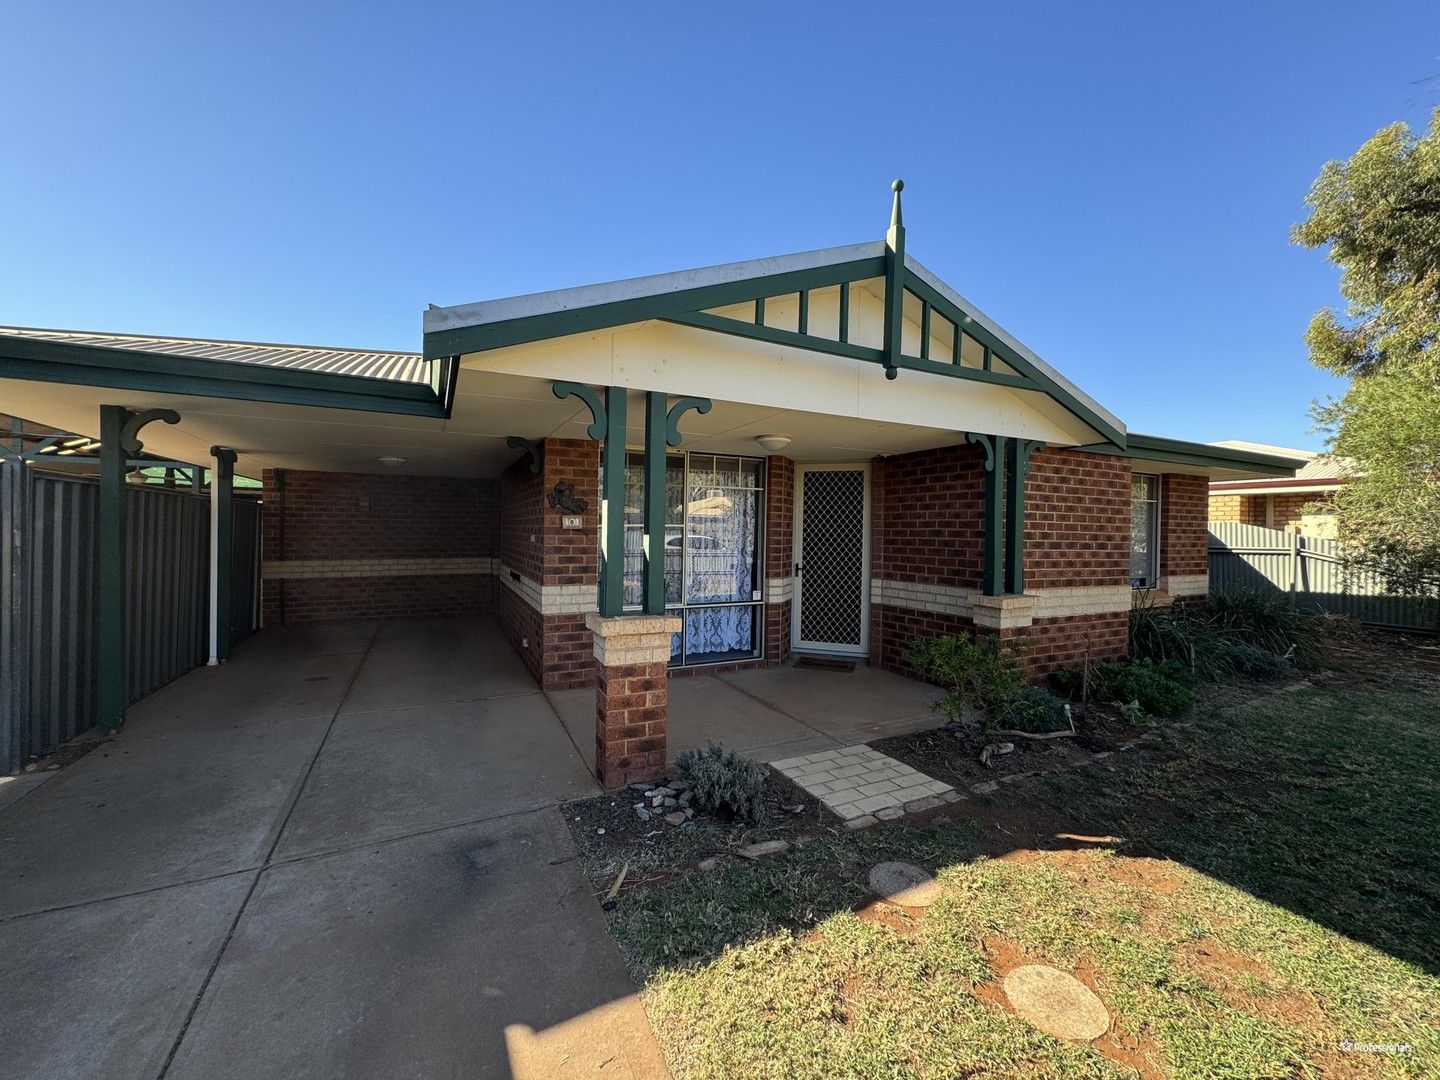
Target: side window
[[1144, 531]]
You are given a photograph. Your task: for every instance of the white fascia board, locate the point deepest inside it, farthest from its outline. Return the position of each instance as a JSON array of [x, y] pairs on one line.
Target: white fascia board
[[584, 296]]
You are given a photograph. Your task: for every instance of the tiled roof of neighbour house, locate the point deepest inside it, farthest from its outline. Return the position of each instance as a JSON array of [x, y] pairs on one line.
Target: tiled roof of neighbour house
[[1319, 470], [365, 363]]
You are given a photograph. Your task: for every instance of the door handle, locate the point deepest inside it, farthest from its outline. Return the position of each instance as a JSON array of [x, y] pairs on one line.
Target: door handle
[[798, 569]]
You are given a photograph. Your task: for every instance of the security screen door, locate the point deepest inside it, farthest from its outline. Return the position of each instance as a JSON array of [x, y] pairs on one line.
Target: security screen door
[[832, 559]]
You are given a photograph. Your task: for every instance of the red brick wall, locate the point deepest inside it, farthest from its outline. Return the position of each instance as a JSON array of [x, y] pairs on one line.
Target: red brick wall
[[1184, 510], [779, 552], [630, 706], [340, 516], [1051, 644], [558, 649], [1077, 520], [927, 516]]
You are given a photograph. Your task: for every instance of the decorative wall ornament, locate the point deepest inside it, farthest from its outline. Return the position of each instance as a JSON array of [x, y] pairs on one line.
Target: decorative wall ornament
[[562, 497]]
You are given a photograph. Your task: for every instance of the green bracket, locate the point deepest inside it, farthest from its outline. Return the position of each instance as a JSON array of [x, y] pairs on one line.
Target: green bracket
[[1018, 466], [679, 409], [130, 433], [597, 429], [531, 448], [992, 573], [222, 489]]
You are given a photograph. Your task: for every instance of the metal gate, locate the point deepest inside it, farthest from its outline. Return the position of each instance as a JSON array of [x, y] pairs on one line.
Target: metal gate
[[49, 575], [832, 545]]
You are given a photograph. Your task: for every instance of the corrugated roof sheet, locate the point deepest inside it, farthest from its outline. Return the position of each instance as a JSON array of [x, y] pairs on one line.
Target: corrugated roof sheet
[[366, 363]]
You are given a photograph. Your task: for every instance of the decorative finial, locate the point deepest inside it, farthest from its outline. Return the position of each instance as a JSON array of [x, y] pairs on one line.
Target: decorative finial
[[897, 186], [896, 221]]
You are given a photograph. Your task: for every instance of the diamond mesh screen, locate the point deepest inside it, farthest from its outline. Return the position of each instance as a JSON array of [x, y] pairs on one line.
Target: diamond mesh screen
[[832, 554]]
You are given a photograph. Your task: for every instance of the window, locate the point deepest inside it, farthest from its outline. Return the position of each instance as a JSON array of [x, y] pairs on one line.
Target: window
[[1144, 531], [713, 573]]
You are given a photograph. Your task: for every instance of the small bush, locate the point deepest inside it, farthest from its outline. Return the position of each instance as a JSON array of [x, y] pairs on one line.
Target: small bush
[[1266, 619], [1160, 689], [1178, 635], [721, 780], [976, 672], [1032, 709]]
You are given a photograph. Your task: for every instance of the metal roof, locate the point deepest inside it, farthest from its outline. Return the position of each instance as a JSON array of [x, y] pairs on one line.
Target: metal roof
[[365, 363]]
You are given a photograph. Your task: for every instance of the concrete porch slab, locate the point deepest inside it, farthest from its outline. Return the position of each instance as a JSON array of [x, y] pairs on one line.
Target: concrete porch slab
[[13, 788], [103, 989], [244, 693], [138, 813], [310, 639], [397, 771], [851, 707], [470, 952], [442, 634], [415, 673]]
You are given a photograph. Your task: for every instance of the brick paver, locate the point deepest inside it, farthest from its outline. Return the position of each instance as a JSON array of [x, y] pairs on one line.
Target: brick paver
[[862, 785]]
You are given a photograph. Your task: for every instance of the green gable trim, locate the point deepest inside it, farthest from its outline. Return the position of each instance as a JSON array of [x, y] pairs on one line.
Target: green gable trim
[[1201, 455], [498, 335], [130, 369]]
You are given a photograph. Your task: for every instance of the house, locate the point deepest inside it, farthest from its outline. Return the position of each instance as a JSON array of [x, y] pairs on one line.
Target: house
[[832, 452], [1302, 503]]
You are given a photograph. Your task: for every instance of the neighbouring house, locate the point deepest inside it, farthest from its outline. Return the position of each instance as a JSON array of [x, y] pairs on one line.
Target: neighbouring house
[[1302, 503], [832, 452]]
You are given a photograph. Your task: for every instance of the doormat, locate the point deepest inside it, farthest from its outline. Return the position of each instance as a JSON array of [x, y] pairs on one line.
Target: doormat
[[824, 663]]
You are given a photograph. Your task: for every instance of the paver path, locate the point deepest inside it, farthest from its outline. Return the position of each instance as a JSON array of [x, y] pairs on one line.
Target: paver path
[[862, 785]]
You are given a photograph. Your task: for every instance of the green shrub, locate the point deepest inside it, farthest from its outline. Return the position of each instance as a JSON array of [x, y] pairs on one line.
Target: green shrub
[[722, 780], [1178, 635], [976, 672], [1160, 689], [1266, 619], [1033, 709]]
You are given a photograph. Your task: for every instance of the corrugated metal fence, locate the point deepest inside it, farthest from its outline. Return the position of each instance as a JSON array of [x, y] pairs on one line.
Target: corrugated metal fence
[[48, 581], [1251, 556]]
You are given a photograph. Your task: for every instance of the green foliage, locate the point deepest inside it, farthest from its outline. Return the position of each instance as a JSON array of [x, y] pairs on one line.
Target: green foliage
[[1379, 215], [1033, 709], [1180, 635], [972, 671], [1258, 663], [1160, 689], [722, 780], [1267, 620]]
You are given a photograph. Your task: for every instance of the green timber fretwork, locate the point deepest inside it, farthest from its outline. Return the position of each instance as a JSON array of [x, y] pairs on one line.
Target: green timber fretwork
[[1007, 463], [662, 430], [996, 361]]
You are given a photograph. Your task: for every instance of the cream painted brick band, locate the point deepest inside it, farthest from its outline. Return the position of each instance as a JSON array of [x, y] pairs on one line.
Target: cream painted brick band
[[1186, 584], [549, 599], [632, 640], [276, 569], [779, 590], [1058, 603]]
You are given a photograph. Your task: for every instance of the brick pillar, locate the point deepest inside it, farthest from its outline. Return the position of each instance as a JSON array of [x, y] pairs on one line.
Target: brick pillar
[[631, 656]]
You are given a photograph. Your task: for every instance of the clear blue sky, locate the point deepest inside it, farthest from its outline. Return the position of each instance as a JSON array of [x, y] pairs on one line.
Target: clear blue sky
[[1113, 182]]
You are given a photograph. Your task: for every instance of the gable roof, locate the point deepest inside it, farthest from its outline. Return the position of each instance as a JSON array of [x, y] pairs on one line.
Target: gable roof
[[687, 297]]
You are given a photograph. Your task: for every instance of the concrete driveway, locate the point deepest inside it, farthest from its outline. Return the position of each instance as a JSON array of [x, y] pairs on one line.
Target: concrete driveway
[[337, 855]]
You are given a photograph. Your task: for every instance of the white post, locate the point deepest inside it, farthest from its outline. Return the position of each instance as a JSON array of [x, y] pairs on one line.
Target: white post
[[214, 569]]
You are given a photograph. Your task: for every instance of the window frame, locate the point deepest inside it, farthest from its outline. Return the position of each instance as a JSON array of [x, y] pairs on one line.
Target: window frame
[[681, 606], [1152, 579]]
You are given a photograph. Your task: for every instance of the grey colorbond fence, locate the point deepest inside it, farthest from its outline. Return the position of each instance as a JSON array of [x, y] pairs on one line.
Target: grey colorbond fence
[[48, 582], [1251, 556]]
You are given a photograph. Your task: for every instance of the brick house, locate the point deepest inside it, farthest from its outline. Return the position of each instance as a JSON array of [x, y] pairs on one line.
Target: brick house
[[1301, 503], [832, 452]]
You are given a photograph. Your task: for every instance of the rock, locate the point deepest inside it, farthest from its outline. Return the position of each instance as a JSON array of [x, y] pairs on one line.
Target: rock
[[798, 808], [599, 832], [985, 788], [710, 863], [641, 812], [995, 749], [643, 787], [904, 884], [678, 785], [685, 797], [864, 821], [890, 813], [764, 847], [677, 818], [665, 792], [689, 813], [1056, 1003], [667, 802]]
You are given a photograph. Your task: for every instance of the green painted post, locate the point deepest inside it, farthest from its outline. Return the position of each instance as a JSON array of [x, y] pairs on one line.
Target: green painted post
[[612, 507], [222, 490], [1018, 466], [991, 571], [657, 419], [894, 284], [110, 542]]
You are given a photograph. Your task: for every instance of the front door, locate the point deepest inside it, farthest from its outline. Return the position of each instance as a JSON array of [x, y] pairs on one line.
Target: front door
[[832, 559]]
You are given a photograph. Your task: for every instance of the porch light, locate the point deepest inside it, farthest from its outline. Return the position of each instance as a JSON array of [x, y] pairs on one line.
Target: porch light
[[390, 461], [773, 443]]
